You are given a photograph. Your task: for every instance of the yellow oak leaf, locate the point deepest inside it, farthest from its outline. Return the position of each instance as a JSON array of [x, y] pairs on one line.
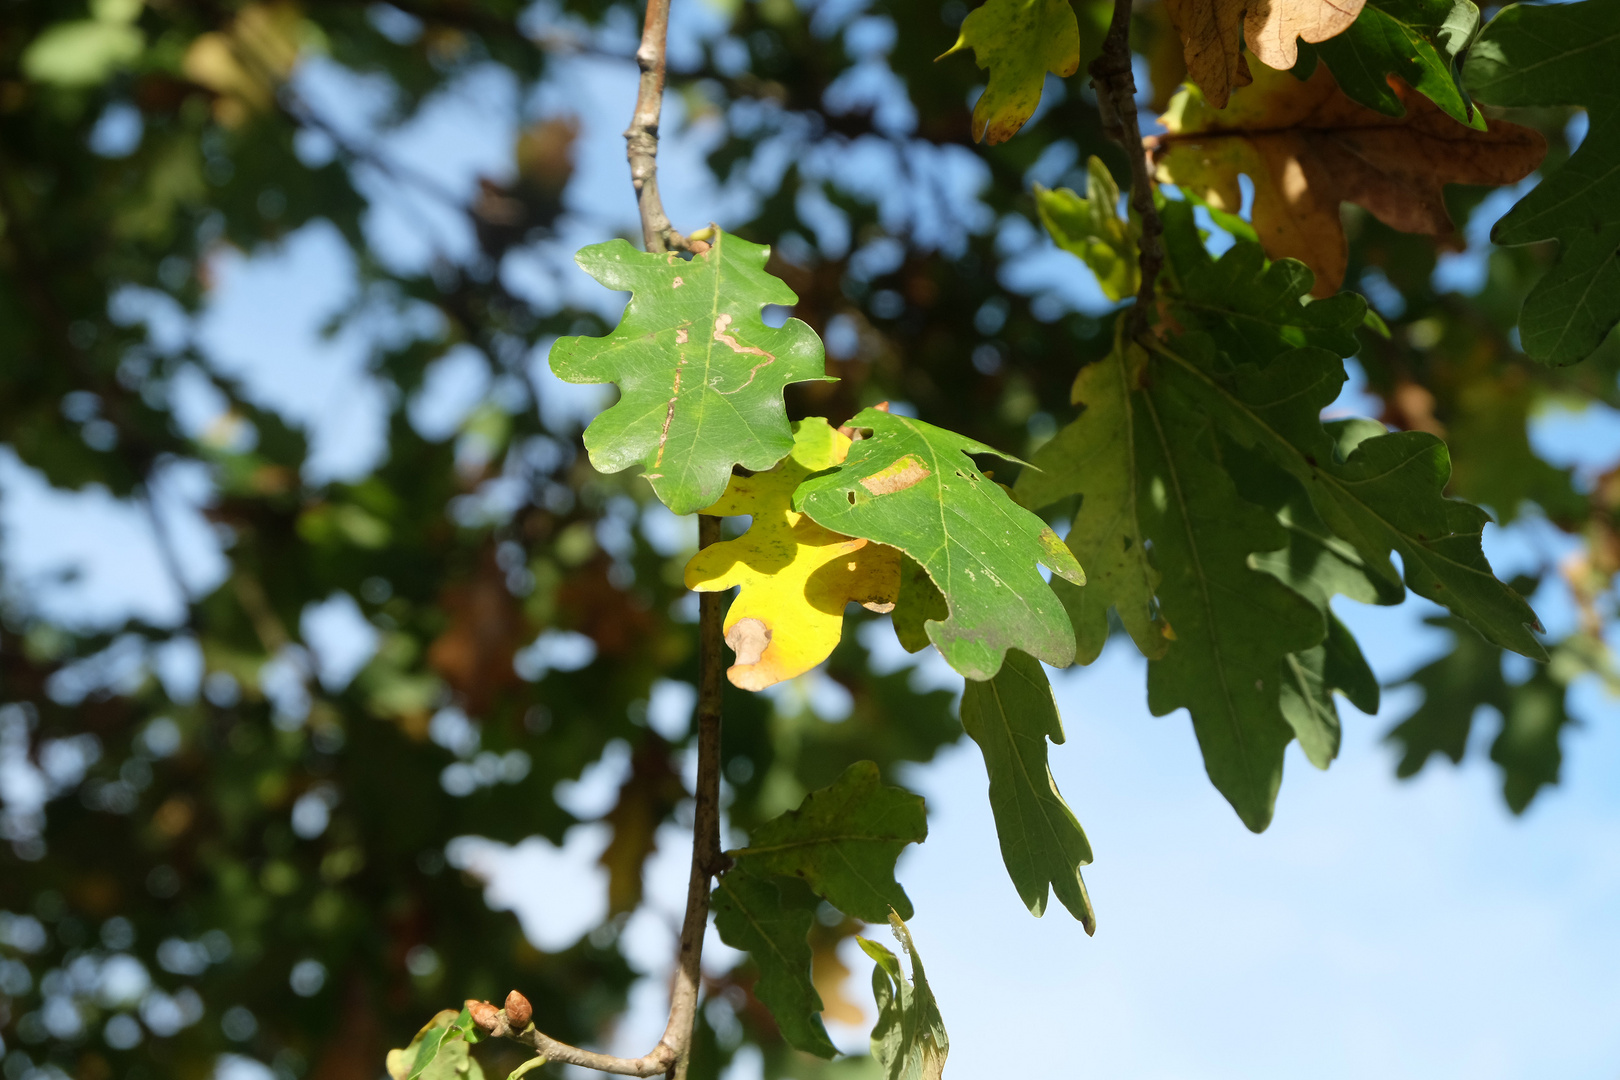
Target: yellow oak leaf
[[1212, 33], [1018, 42], [795, 577], [1308, 148]]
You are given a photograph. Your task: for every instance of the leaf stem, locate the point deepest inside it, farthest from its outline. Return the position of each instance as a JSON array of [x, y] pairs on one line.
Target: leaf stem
[[1116, 101]]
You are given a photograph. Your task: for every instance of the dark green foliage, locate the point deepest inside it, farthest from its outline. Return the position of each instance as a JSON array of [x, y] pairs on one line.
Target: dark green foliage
[[1563, 54]]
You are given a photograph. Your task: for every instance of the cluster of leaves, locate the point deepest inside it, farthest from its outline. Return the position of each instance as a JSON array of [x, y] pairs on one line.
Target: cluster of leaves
[[176, 843]]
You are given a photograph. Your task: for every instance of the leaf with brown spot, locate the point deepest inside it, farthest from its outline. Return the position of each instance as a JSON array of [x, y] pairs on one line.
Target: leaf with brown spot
[[1213, 32], [796, 577], [912, 486], [699, 372], [1308, 148]]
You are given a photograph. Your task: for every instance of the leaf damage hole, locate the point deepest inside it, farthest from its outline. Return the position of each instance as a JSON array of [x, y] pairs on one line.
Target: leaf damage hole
[[748, 638]]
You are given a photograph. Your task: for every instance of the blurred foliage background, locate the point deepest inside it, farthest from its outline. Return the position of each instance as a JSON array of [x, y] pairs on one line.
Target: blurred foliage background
[[216, 842]]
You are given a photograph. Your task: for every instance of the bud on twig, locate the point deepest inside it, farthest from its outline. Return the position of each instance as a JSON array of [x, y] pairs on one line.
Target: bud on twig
[[484, 1014], [518, 1011]]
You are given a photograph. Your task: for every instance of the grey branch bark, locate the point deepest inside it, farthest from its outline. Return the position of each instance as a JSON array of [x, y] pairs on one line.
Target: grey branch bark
[[672, 1055], [641, 137], [1116, 101]]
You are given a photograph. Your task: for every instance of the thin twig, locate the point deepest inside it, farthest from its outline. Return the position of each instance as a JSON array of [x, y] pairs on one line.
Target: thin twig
[[672, 1055], [1116, 101], [641, 137]]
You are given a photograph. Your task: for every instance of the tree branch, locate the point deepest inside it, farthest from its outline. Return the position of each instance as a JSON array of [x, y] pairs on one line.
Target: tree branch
[[641, 137], [672, 1055], [1116, 101]]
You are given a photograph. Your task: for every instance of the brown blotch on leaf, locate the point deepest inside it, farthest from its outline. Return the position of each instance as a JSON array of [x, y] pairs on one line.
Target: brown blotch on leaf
[[909, 471]]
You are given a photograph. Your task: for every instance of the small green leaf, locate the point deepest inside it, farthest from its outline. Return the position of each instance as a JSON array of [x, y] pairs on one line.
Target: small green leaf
[[752, 914], [909, 1040], [1095, 457], [913, 487], [1092, 229], [1563, 54], [1011, 717], [1018, 42], [442, 1050], [842, 842], [700, 373], [1422, 41]]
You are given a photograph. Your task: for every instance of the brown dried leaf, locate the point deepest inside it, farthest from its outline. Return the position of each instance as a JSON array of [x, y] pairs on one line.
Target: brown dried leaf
[[1213, 31], [1308, 147], [650, 793], [830, 974], [487, 628]]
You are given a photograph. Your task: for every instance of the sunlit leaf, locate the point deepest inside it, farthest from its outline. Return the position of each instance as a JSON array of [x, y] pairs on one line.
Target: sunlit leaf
[[700, 373], [795, 577], [1018, 42], [912, 486]]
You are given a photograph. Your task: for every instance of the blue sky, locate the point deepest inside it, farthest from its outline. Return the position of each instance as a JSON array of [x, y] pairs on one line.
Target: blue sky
[[1378, 928]]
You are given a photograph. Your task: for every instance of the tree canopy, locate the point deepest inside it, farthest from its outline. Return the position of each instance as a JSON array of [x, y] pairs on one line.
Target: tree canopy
[[871, 353]]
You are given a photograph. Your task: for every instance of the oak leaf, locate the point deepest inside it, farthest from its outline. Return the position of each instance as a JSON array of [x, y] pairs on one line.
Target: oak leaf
[[1308, 148], [912, 485], [700, 372], [796, 577], [1541, 55], [1018, 42], [909, 1040], [1213, 31]]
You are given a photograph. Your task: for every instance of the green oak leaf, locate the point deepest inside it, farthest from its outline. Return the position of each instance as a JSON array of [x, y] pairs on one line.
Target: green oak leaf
[[1422, 41], [1527, 750], [912, 486], [918, 603], [1387, 494], [1092, 229], [842, 842], [1563, 54], [1095, 457], [1232, 625], [1018, 42], [440, 1050], [1317, 565], [1253, 308], [700, 374], [755, 914], [908, 1040], [1309, 680], [1011, 717], [1455, 686]]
